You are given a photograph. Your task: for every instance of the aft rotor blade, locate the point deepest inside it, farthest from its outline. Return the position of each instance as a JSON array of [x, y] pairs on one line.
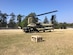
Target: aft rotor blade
[[47, 13]]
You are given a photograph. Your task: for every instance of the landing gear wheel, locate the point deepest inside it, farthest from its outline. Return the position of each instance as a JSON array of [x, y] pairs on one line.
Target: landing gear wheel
[[50, 31], [43, 30]]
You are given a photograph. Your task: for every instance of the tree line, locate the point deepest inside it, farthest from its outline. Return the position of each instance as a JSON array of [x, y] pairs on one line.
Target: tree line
[[16, 21]]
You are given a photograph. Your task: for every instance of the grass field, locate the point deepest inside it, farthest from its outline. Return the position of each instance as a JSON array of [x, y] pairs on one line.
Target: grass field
[[16, 42]]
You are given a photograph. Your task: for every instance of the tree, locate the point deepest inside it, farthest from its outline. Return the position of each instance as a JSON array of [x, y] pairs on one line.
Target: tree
[[0, 16], [19, 19], [24, 23], [0, 19], [46, 20], [4, 19], [12, 16], [34, 18], [12, 23]]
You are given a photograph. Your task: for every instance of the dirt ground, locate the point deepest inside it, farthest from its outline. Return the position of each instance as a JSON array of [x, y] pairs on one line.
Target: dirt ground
[[16, 42]]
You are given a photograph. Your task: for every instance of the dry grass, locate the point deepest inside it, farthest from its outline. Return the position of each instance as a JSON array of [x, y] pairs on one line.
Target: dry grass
[[16, 42]]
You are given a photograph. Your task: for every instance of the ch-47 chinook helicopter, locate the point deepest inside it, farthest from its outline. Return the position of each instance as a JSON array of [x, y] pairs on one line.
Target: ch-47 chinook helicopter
[[36, 27]]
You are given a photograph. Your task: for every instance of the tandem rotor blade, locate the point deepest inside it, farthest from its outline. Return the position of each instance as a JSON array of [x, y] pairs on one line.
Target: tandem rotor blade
[[46, 13]]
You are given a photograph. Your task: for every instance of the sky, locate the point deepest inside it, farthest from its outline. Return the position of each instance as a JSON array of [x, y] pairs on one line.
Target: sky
[[25, 7]]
